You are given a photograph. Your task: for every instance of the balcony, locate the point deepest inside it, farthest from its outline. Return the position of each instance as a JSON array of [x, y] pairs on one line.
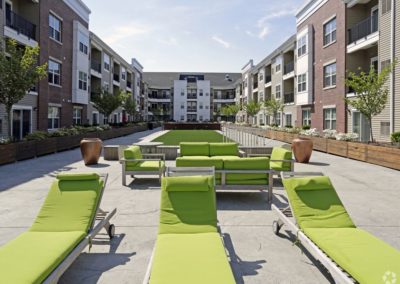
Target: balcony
[[192, 96], [289, 67], [363, 35], [192, 109], [267, 80], [255, 85], [288, 98], [96, 65], [21, 26], [116, 77], [129, 84]]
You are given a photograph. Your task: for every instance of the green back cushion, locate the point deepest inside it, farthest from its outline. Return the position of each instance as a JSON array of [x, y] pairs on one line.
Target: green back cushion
[[281, 154], [70, 205], [258, 163], [224, 149], [188, 205], [133, 152], [195, 149], [315, 203]]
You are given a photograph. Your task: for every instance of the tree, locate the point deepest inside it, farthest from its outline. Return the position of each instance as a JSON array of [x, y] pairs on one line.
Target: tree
[[106, 102], [252, 108], [274, 106], [129, 105], [234, 109], [370, 92], [19, 72]]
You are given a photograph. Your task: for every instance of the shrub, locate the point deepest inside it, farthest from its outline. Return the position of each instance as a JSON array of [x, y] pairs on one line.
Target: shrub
[[306, 127], [310, 132], [37, 136], [395, 137], [330, 133], [346, 136], [288, 126], [4, 141]]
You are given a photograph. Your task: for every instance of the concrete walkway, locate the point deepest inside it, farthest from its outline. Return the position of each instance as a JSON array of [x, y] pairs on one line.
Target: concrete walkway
[[369, 192]]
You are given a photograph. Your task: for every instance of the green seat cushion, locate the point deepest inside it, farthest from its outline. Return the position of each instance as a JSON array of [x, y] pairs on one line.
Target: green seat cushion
[[133, 152], [32, 256], [187, 211], [363, 256], [258, 163], [194, 149], [225, 158], [281, 154], [190, 258], [147, 166], [70, 205], [200, 161], [195, 183], [224, 149], [315, 203]]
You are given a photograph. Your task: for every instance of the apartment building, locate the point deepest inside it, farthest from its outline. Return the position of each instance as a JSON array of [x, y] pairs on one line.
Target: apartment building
[[110, 72], [137, 87], [189, 97], [246, 90]]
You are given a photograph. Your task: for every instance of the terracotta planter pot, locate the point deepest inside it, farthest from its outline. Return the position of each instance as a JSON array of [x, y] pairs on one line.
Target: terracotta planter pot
[[337, 147], [46, 146], [91, 150], [302, 150], [7, 153], [357, 151]]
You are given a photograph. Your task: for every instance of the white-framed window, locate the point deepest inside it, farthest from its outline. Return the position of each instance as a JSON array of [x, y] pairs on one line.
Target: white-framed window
[[201, 106], [77, 116], [82, 82], [54, 27], [330, 118], [182, 106], [200, 92], [330, 32], [261, 77], [302, 46], [123, 73], [278, 92], [207, 106], [306, 117], [201, 118], [278, 118], [182, 117], [330, 75], [54, 73], [106, 59], [83, 43], [278, 65], [386, 6], [53, 117], [182, 92], [302, 82], [106, 86], [95, 118], [288, 119], [261, 96]]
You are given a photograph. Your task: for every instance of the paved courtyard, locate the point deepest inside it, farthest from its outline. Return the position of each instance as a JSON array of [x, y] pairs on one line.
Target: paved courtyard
[[370, 193]]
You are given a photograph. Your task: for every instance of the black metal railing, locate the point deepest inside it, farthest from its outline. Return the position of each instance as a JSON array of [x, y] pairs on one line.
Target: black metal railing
[[96, 65], [116, 77], [227, 97], [363, 29], [192, 109], [255, 85], [288, 98], [20, 24], [192, 96], [129, 84], [289, 67], [267, 79]]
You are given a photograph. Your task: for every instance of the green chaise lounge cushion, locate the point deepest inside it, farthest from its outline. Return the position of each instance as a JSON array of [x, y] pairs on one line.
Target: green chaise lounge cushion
[[32, 256], [147, 166], [315, 203], [188, 212], [281, 154], [190, 258], [224, 149], [132, 152], [194, 149], [258, 163], [363, 256]]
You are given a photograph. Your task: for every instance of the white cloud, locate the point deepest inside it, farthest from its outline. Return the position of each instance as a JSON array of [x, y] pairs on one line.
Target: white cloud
[[221, 41], [264, 32], [274, 15], [171, 41], [123, 32]]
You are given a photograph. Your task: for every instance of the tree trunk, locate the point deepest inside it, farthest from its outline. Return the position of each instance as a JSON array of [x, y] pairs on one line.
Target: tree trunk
[[370, 130], [9, 121]]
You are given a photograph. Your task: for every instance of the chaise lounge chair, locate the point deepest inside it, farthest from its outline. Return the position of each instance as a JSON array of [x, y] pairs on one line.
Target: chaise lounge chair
[[67, 222], [189, 248], [326, 230]]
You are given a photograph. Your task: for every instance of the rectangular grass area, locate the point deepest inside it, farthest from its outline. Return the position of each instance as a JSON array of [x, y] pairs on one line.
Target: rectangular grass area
[[174, 137]]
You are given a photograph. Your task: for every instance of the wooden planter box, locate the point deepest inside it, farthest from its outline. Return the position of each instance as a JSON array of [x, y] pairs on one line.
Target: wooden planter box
[[65, 143], [279, 135], [337, 147], [384, 156], [7, 153], [25, 150], [319, 144], [46, 146], [289, 137], [268, 134], [357, 151]]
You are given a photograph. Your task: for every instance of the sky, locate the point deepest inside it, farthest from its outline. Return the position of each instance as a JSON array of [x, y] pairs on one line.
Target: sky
[[195, 35]]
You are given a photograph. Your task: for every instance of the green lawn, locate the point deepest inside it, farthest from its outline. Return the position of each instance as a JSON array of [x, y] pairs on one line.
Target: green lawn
[[174, 137]]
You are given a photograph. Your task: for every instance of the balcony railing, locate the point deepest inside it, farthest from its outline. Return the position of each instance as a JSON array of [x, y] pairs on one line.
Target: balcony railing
[[288, 98], [267, 79], [96, 66], [289, 67], [192, 109], [192, 96], [116, 77], [159, 97], [255, 85], [129, 84], [363, 29], [20, 24], [224, 97]]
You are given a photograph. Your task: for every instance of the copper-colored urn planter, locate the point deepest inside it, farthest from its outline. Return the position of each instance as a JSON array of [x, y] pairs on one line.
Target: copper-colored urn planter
[[302, 149], [91, 150]]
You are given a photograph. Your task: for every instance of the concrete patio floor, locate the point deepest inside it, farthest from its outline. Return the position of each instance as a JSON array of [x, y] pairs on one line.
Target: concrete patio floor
[[370, 193]]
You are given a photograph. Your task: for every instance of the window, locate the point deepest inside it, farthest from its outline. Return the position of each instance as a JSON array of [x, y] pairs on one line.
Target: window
[[330, 118], [302, 83], [106, 62], [182, 106], [385, 128], [54, 73], [95, 118], [278, 68], [330, 32], [306, 117], [53, 118], [82, 82], [386, 6], [278, 119], [385, 64], [288, 119], [83, 43], [261, 77], [77, 116], [182, 92], [201, 118], [261, 96], [182, 117], [207, 94], [302, 46], [54, 28], [206, 107], [123, 73], [201, 106], [330, 75], [200, 92], [278, 92], [106, 86]]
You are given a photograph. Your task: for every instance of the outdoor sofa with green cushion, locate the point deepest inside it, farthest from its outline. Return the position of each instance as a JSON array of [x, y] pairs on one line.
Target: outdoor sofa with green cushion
[[62, 229], [136, 163], [325, 226], [189, 248], [281, 159], [231, 170]]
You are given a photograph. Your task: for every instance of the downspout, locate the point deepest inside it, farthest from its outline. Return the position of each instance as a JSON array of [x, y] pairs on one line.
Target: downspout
[[392, 58]]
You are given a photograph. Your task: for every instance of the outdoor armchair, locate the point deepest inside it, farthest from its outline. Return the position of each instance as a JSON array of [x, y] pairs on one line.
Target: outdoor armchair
[[281, 159], [136, 163]]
